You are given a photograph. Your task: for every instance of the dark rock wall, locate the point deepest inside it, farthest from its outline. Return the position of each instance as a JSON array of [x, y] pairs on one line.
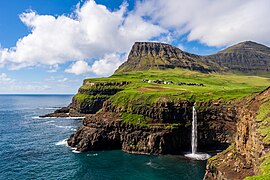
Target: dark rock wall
[[216, 128], [130, 138], [244, 156]]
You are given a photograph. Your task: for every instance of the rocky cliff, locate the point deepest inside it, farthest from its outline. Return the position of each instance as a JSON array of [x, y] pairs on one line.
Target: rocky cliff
[[250, 153], [109, 129]]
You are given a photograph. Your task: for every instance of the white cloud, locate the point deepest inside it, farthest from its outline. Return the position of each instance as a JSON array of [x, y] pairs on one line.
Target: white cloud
[[80, 67], [9, 85], [88, 33], [53, 68], [4, 79], [108, 64], [96, 35], [28, 88], [215, 23]]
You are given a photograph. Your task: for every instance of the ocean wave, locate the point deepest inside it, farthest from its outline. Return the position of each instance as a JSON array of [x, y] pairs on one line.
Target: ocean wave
[[50, 108], [47, 122], [154, 165], [91, 155], [62, 142], [73, 117], [64, 127], [74, 151], [38, 117]]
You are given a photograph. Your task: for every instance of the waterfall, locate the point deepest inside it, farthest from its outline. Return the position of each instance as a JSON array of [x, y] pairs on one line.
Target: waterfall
[[194, 139], [194, 131]]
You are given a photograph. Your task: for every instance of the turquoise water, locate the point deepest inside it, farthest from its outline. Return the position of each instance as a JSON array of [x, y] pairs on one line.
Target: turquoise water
[[32, 148]]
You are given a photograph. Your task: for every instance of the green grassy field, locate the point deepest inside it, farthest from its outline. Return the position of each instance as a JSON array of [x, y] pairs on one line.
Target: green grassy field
[[216, 86]]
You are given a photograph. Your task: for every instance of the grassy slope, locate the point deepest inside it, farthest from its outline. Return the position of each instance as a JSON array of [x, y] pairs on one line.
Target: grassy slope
[[217, 86]]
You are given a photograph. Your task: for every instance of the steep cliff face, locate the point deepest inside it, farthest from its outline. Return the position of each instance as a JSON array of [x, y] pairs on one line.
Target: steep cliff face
[[249, 155], [248, 57], [110, 130], [150, 55]]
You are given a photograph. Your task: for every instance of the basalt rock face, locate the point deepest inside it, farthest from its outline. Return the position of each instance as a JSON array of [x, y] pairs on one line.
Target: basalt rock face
[[151, 55], [247, 57], [107, 130], [244, 157], [107, 135], [216, 120]]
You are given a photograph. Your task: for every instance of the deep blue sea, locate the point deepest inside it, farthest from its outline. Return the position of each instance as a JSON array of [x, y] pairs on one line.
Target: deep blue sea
[[33, 148]]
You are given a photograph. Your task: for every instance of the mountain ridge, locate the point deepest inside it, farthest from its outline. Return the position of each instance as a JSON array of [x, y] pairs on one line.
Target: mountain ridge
[[245, 57], [155, 55]]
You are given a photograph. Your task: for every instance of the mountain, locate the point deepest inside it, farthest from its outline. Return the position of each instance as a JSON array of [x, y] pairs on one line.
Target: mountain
[[246, 57], [151, 55]]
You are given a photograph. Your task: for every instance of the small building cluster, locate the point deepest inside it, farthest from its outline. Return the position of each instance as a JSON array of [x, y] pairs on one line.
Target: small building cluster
[[170, 82], [189, 84], [157, 81]]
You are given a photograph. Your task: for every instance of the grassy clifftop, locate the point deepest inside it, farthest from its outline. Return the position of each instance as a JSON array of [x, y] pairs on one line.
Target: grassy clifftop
[[216, 86]]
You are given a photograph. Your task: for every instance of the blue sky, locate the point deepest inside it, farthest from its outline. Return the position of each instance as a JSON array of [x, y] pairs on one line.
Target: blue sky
[[51, 46]]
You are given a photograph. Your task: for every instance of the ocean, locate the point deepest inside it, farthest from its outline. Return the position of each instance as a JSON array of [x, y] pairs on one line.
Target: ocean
[[35, 148]]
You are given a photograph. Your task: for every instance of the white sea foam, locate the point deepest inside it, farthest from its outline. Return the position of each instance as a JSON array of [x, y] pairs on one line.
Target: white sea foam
[[91, 155], [63, 127], [73, 118], [62, 142], [49, 108], [77, 152], [47, 122], [198, 156], [153, 165], [38, 117]]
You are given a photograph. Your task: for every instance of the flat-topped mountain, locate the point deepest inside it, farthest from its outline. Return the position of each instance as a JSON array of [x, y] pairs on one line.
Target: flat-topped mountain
[[246, 57], [151, 55]]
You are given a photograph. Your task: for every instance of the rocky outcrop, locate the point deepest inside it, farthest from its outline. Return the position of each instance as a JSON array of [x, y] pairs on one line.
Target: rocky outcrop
[[151, 55], [245, 156]]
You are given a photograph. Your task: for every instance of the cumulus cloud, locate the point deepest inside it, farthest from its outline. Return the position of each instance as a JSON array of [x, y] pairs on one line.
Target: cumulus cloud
[[80, 67], [88, 33], [215, 23], [107, 65], [93, 35]]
